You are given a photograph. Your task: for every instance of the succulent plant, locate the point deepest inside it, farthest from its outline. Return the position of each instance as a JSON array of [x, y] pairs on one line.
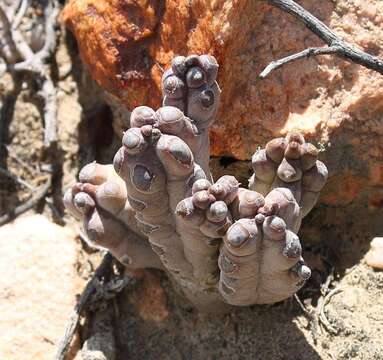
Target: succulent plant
[[158, 207]]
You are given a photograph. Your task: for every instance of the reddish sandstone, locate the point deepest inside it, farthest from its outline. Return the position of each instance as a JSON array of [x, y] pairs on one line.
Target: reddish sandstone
[[126, 43]]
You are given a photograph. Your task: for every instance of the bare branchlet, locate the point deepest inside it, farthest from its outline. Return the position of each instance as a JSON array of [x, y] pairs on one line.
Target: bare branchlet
[[25, 64], [103, 286], [20, 58], [336, 45]]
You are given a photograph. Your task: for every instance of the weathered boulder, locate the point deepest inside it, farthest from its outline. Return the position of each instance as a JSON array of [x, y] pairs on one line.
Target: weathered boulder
[[125, 45], [38, 287]]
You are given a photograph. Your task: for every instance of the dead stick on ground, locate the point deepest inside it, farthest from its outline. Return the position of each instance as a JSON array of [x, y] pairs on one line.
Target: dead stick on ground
[[103, 270], [105, 284], [336, 45], [16, 179], [33, 201], [322, 316], [312, 317], [316, 315]]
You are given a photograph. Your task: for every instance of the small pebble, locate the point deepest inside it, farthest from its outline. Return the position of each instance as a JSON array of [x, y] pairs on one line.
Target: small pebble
[[374, 257]]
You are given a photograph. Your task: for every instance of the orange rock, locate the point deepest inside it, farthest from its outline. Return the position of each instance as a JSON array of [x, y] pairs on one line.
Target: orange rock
[[113, 42], [342, 189], [377, 174], [339, 104], [149, 297], [376, 200]]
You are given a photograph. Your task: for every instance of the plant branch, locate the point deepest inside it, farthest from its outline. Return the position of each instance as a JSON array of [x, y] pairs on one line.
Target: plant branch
[[337, 46], [34, 62], [14, 37], [103, 270], [8, 50], [303, 54], [13, 47], [16, 179], [48, 93], [99, 288], [316, 315], [33, 201], [20, 14]]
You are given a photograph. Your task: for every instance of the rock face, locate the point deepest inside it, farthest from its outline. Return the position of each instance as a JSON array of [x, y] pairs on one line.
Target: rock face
[[125, 45], [38, 287]]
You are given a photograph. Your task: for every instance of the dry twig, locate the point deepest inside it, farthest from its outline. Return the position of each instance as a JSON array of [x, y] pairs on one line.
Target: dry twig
[[23, 63], [8, 49], [322, 316], [33, 201], [94, 291], [23, 7], [336, 45], [102, 271], [16, 179], [13, 47], [316, 315]]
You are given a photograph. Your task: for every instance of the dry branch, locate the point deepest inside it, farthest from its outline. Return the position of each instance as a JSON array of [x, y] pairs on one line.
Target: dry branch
[[23, 7], [303, 54], [316, 315], [102, 271], [336, 45], [25, 64], [16, 179], [92, 293], [33, 201], [14, 47], [8, 49]]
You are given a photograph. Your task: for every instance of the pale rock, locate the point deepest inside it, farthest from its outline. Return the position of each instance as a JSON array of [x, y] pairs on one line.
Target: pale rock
[[38, 287], [374, 257]]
